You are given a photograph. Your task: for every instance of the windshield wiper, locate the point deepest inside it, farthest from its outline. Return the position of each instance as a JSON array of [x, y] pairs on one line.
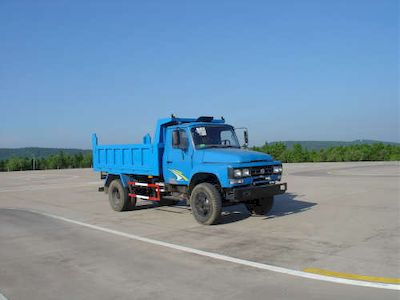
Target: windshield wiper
[[212, 146]]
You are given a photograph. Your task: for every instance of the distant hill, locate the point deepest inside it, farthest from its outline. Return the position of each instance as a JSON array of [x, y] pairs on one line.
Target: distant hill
[[37, 152], [317, 145]]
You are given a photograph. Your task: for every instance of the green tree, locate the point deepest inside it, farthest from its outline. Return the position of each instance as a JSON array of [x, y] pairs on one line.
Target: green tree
[[298, 155], [87, 161], [77, 160], [16, 164]]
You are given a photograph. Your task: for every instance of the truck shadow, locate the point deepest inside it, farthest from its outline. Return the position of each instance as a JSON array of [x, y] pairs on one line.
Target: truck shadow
[[284, 205]]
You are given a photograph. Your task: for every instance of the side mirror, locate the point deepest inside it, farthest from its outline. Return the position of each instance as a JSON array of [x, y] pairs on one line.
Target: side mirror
[[175, 138], [246, 137]]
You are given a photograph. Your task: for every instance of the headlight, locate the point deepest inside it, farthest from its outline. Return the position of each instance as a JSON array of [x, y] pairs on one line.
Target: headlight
[[277, 169], [245, 172], [236, 181], [237, 173]]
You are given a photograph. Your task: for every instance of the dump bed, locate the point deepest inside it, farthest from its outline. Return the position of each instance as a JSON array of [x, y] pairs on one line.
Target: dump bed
[[138, 159]]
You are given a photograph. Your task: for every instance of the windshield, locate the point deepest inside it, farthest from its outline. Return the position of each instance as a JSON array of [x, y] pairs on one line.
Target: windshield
[[214, 136]]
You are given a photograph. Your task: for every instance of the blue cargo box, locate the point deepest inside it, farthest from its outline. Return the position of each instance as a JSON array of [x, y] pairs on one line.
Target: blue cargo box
[[139, 159]]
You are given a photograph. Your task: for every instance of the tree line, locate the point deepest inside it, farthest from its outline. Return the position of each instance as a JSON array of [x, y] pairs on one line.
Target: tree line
[[279, 151], [357, 152], [56, 161]]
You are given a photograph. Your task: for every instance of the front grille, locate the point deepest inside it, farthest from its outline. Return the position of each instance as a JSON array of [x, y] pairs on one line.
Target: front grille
[[264, 170], [260, 181]]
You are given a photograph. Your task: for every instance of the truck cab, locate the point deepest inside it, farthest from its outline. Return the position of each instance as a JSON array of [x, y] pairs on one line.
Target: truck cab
[[197, 160]]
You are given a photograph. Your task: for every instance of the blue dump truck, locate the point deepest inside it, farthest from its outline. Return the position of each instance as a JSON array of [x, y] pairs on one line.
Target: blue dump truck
[[198, 160]]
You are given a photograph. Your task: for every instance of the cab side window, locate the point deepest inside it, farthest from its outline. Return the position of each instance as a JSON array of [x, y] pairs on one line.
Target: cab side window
[[180, 139]]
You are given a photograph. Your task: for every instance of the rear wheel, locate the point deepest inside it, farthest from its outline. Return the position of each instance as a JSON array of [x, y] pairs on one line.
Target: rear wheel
[[119, 198], [261, 206], [206, 203]]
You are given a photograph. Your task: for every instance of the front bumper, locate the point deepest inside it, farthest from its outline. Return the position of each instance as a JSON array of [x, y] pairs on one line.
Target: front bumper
[[243, 194]]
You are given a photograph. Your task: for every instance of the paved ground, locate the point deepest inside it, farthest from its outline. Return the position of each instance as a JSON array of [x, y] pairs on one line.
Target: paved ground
[[341, 217]]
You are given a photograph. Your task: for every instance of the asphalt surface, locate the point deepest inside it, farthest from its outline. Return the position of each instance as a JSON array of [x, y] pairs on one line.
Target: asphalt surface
[[342, 217]]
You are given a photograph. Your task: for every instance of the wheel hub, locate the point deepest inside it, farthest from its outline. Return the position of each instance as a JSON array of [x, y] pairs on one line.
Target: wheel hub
[[202, 204], [116, 196]]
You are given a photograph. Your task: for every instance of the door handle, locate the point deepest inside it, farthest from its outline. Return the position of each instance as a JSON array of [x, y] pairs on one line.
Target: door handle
[[169, 161]]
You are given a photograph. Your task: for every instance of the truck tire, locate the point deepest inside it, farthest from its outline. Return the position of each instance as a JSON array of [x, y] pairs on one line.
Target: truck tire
[[119, 198], [260, 207], [206, 203]]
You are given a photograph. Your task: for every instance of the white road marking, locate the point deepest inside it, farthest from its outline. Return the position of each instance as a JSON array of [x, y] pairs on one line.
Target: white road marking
[[2, 297], [224, 257], [29, 188]]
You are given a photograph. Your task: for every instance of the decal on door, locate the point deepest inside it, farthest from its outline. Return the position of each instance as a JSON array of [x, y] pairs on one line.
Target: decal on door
[[179, 175]]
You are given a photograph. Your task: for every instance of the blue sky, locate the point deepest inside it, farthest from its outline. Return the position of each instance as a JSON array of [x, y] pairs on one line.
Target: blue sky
[[288, 70]]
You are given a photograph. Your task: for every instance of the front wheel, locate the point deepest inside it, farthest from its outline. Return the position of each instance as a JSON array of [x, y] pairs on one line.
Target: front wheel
[[206, 203], [261, 206]]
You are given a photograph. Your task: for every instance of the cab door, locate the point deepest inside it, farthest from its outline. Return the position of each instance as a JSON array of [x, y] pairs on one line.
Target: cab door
[[177, 158]]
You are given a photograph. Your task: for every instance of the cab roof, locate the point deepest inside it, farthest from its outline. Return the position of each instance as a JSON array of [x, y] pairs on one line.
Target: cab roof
[[203, 120]]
